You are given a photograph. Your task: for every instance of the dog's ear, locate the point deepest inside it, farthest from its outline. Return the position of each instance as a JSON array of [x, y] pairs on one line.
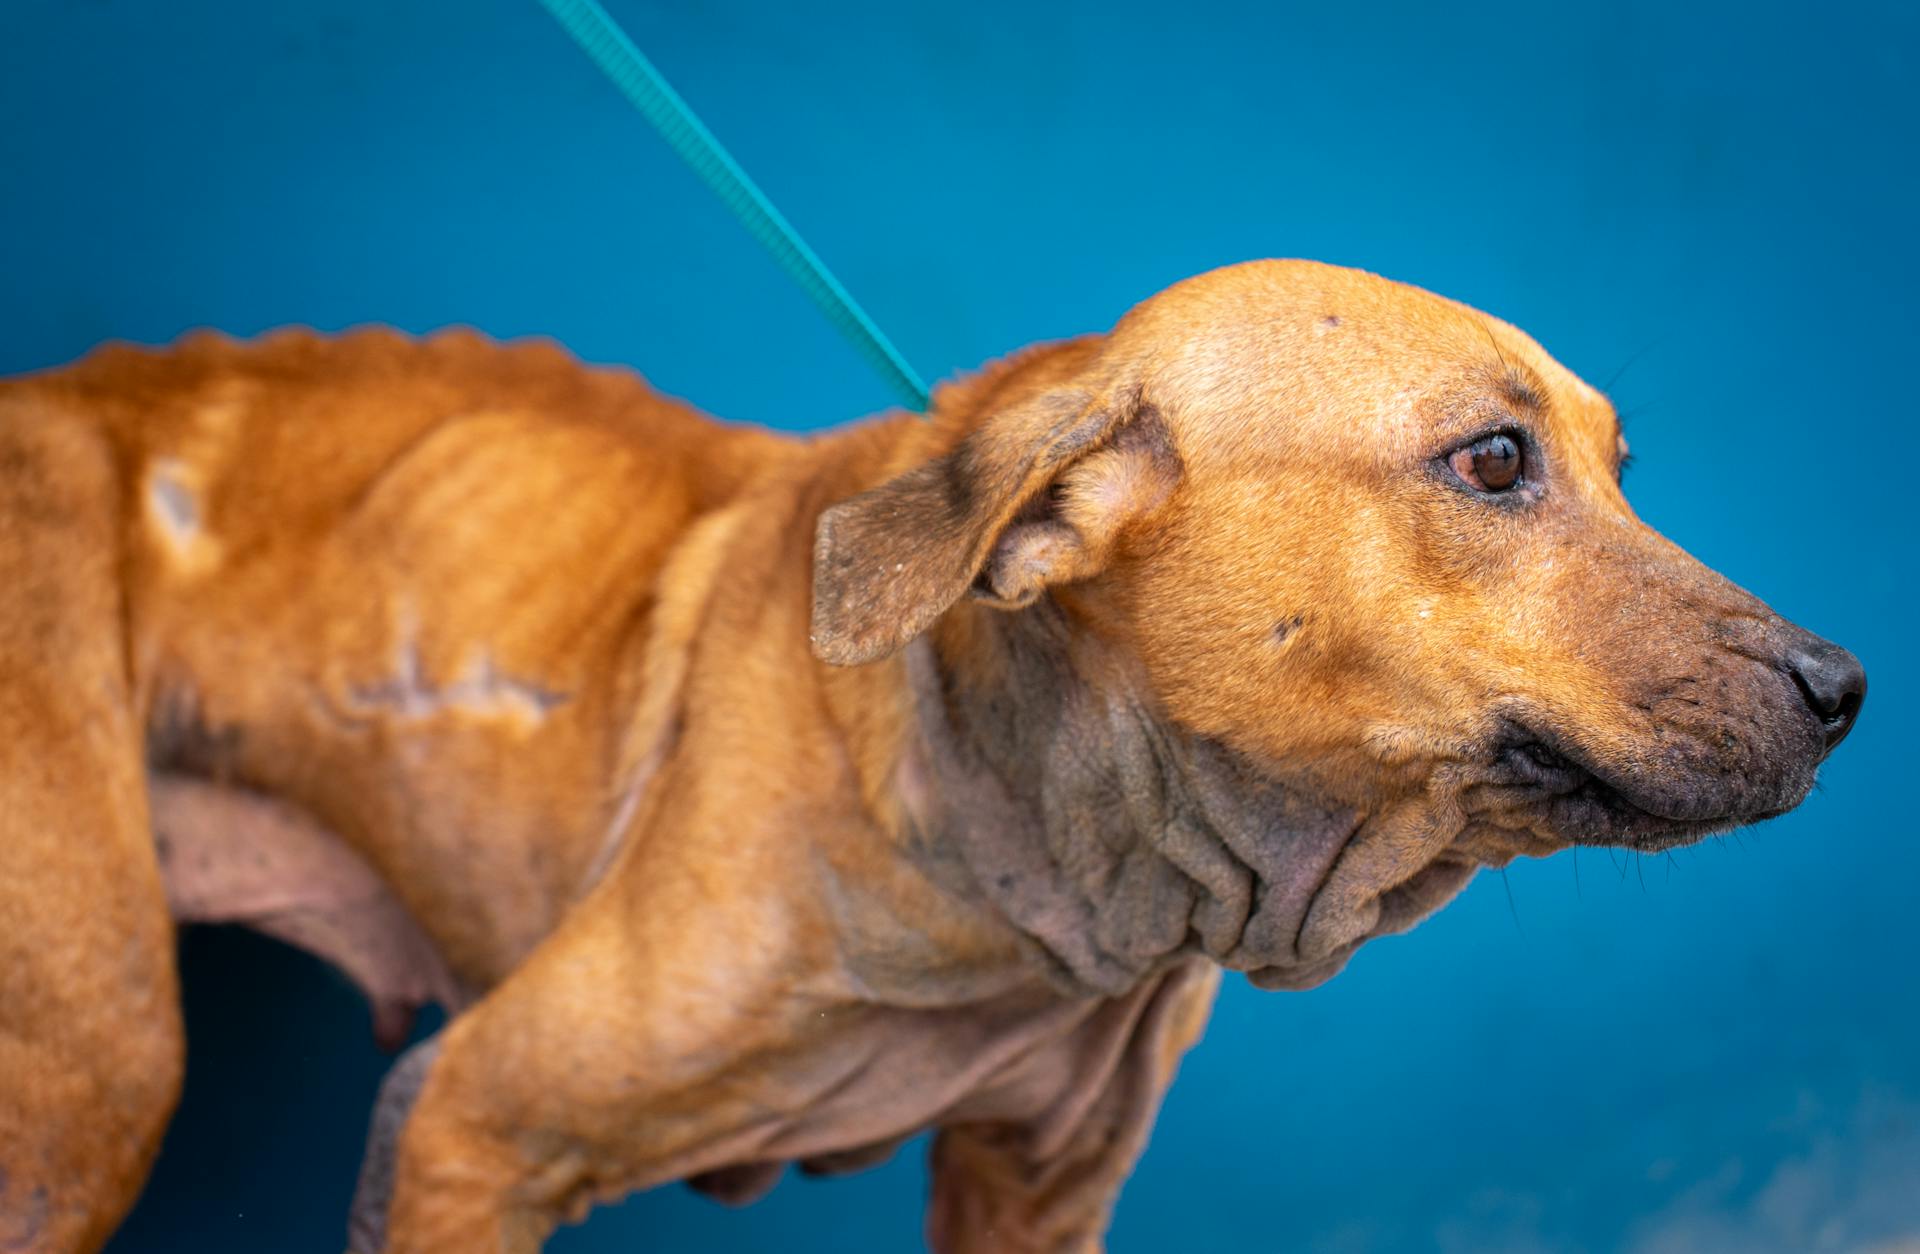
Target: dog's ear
[[1035, 496]]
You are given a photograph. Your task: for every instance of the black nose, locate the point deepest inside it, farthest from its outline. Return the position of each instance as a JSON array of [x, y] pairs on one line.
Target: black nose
[[1832, 681]]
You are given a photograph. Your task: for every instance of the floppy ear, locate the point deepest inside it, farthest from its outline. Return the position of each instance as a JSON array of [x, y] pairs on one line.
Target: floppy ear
[[1035, 497]]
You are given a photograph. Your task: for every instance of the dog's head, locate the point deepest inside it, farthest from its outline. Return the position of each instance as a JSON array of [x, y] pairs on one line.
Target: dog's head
[[1375, 541]]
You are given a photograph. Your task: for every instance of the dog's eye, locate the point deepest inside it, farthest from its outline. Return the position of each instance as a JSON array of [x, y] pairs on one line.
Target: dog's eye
[[1490, 464]]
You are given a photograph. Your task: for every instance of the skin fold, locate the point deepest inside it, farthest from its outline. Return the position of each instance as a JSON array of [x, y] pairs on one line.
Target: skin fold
[[758, 800]]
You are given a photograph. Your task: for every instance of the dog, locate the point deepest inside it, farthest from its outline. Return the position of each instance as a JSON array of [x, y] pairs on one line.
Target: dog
[[754, 800]]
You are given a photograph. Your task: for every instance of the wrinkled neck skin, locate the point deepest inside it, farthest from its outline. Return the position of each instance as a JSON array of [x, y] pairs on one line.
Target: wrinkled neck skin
[[1113, 842]]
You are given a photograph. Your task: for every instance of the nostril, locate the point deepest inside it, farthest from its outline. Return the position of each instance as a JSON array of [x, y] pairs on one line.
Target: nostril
[[1840, 722], [1833, 684]]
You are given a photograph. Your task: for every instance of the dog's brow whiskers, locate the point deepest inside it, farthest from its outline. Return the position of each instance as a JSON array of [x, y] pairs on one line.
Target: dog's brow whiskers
[[1629, 363], [1494, 344]]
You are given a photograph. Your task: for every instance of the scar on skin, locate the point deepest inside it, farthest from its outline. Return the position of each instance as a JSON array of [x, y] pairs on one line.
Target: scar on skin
[[1328, 323], [173, 507], [481, 691]]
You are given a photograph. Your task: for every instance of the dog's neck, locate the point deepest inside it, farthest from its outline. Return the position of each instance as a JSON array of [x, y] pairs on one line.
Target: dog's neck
[[1110, 840]]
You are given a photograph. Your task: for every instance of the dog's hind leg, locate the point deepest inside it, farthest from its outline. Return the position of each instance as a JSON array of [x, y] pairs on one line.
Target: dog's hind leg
[[90, 1036]]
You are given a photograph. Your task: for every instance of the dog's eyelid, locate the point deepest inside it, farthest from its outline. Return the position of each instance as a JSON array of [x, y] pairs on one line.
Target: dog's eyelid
[[1498, 422]]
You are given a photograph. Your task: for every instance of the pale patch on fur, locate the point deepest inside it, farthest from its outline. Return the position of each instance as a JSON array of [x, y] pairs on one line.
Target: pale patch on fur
[[1401, 419], [176, 485], [177, 517]]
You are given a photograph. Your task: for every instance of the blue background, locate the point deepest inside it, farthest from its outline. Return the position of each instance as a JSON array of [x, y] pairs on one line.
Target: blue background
[[1720, 1050]]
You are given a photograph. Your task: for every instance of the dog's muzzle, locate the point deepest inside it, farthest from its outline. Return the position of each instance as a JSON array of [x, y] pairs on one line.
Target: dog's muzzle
[[1735, 740]]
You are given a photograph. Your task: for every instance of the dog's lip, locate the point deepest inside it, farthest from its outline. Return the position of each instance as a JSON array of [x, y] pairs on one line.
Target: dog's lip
[[1538, 757], [1541, 759]]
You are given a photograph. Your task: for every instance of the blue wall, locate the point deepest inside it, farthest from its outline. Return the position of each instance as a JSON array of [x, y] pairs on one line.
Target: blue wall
[[1715, 1051]]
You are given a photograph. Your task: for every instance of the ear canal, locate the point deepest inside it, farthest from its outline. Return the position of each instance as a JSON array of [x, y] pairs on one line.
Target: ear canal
[[1068, 531], [890, 561]]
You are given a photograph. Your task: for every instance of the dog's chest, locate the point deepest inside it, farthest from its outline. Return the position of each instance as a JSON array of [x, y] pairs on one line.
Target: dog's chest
[[1029, 1061]]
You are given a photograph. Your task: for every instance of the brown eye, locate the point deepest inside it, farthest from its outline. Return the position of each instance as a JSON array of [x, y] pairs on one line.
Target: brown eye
[[1491, 464]]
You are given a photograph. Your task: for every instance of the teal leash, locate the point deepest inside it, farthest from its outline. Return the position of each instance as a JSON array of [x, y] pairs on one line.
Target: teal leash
[[596, 32]]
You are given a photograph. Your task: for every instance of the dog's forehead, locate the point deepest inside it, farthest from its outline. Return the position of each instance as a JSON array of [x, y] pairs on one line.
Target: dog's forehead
[[1265, 355]]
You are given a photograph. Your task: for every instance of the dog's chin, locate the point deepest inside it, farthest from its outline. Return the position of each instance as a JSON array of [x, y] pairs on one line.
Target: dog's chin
[[1400, 908], [1558, 794]]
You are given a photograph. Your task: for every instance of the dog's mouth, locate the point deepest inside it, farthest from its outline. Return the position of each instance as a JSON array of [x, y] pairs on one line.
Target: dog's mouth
[[1562, 793]]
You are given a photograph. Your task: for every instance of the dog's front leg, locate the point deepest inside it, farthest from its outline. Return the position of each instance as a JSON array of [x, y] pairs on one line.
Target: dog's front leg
[[1048, 1186], [447, 1173], [367, 1224], [610, 1060]]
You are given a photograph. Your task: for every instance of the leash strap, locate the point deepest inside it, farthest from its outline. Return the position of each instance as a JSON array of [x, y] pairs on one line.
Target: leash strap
[[603, 40]]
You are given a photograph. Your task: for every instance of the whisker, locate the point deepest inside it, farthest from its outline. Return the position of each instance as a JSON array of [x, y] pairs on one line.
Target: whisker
[[1628, 364], [1511, 908], [1488, 332]]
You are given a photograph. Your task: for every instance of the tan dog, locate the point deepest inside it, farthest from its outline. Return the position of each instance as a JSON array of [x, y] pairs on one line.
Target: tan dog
[[773, 800]]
